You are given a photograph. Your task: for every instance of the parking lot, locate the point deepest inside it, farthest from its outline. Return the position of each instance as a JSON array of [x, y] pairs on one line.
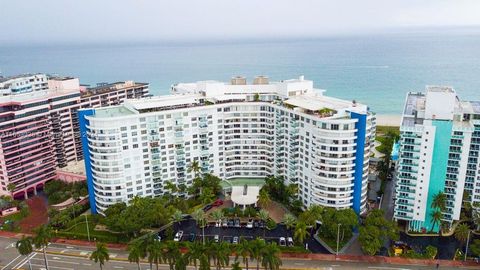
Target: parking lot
[[193, 233]]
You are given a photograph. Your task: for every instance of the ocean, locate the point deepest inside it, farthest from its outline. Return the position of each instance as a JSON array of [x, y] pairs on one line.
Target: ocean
[[377, 70]]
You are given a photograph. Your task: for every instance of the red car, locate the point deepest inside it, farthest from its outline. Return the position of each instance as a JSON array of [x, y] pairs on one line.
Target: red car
[[218, 202]]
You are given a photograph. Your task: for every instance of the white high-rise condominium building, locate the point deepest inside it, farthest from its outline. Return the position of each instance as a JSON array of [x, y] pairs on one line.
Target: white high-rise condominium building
[[234, 130], [439, 146]]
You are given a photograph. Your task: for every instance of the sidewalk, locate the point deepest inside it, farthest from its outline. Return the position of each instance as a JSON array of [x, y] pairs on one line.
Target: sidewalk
[[72, 242]]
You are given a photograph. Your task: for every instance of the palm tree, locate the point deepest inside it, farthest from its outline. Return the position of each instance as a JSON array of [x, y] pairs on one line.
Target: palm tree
[[440, 201], [11, 187], [289, 220], [264, 216], [271, 257], [236, 266], [135, 253], [461, 233], [244, 249], [217, 214], [155, 254], [311, 216], [177, 216], [436, 218], [204, 262], [171, 186], [199, 217], [25, 247], [171, 252], [264, 198], [100, 254], [181, 262], [195, 168], [257, 247], [222, 254], [301, 232], [195, 252], [41, 240]]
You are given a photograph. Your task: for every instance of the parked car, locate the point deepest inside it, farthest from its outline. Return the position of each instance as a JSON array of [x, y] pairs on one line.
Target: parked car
[[261, 224], [235, 240], [225, 223], [290, 241], [250, 224], [282, 242], [192, 237], [230, 223], [237, 222], [256, 224], [216, 238], [218, 223], [178, 236], [218, 202], [207, 207]]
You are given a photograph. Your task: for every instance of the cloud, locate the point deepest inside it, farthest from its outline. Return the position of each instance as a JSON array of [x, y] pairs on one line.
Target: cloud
[[91, 20]]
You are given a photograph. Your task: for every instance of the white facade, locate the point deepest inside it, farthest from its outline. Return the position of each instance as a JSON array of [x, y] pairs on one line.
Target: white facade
[[439, 146], [23, 84], [285, 129]]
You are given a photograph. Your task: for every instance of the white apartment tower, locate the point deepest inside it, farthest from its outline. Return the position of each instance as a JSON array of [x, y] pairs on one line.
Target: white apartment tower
[[439, 146], [235, 130]]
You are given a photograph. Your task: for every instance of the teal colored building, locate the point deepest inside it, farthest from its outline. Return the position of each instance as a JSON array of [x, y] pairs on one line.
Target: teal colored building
[[438, 153]]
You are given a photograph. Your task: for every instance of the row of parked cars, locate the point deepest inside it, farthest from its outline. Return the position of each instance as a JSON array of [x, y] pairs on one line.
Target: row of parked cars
[[235, 223], [282, 241]]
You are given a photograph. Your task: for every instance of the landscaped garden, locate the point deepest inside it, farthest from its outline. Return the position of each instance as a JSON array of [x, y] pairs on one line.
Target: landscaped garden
[[58, 191], [12, 222]]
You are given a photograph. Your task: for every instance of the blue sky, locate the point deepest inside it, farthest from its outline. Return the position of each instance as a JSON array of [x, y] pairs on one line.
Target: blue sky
[[48, 21]]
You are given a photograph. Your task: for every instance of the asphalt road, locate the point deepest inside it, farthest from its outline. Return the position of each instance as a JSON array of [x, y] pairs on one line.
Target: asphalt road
[[9, 260]]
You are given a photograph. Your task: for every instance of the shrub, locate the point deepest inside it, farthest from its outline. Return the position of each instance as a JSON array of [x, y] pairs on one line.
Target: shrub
[[271, 224]]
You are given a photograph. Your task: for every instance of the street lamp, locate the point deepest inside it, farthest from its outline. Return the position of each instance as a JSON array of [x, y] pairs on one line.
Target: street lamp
[[338, 235], [88, 230], [466, 247]]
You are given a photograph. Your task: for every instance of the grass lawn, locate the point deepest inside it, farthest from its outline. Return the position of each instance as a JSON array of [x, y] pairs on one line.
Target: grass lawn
[[13, 222], [332, 243], [79, 231], [381, 130]]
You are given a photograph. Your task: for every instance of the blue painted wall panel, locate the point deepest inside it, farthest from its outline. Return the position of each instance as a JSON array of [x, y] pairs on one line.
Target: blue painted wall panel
[[361, 127], [86, 156]]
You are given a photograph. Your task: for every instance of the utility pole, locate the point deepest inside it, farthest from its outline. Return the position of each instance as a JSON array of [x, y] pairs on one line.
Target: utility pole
[[338, 235], [203, 230], [88, 230], [466, 247]]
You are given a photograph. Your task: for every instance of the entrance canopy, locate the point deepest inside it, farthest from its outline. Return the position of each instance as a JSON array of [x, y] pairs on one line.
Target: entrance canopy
[[245, 195]]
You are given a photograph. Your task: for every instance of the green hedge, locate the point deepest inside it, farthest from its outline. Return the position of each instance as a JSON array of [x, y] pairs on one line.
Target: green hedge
[[99, 237]]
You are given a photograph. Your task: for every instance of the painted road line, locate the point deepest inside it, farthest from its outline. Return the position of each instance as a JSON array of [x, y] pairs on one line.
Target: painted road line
[[25, 260], [52, 267], [58, 260], [118, 267], [5, 267], [387, 268]]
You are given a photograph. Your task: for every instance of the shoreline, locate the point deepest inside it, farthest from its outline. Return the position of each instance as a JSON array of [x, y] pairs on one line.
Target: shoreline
[[390, 120]]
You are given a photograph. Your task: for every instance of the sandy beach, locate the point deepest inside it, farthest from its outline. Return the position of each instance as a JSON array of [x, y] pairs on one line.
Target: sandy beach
[[388, 120]]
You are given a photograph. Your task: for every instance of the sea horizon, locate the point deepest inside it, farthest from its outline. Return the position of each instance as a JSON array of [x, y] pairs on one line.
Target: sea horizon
[[374, 69]]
